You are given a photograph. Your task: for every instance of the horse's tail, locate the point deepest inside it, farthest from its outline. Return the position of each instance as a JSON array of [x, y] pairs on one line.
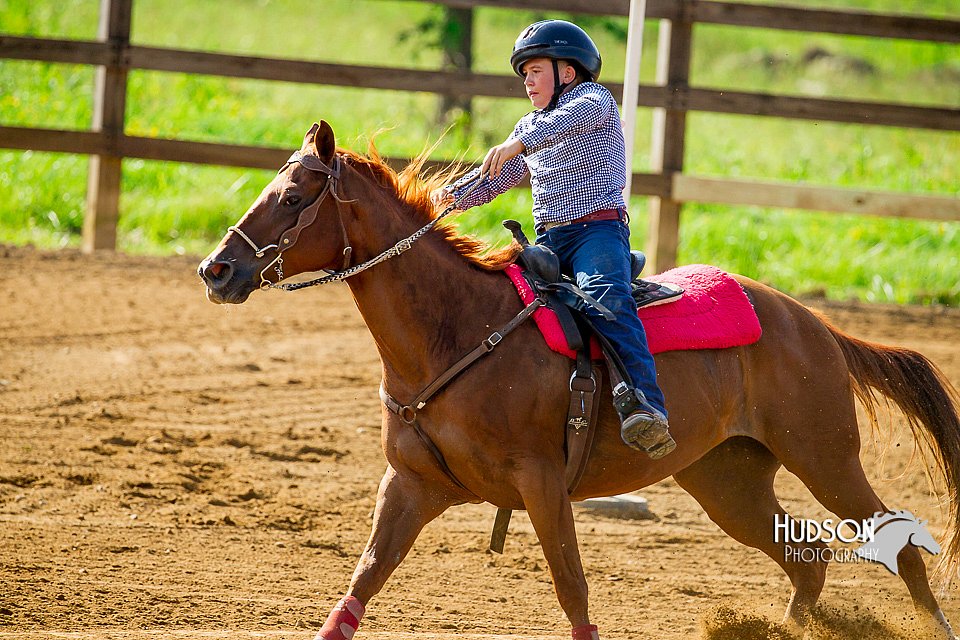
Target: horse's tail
[[928, 401]]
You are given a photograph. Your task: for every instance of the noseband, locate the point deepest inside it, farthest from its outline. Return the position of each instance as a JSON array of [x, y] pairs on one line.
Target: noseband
[[306, 218]]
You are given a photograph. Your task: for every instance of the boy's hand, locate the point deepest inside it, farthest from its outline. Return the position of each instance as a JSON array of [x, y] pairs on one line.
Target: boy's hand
[[442, 198], [499, 155]]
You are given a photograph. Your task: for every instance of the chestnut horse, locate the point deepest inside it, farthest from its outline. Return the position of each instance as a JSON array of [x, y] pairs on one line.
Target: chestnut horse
[[737, 414]]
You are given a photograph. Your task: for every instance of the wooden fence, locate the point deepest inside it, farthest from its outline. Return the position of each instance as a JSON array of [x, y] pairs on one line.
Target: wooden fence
[[672, 97]]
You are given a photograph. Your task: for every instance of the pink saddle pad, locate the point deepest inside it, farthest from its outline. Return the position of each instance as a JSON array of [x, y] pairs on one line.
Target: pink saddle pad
[[713, 313]]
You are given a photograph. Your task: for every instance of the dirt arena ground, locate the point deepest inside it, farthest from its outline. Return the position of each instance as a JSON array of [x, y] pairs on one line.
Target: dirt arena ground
[[171, 468]]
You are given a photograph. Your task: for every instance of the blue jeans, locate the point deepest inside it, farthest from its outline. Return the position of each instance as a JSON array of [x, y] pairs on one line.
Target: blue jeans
[[597, 255]]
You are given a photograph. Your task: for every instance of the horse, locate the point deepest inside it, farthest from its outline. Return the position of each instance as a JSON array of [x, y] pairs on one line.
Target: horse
[[429, 294], [891, 532]]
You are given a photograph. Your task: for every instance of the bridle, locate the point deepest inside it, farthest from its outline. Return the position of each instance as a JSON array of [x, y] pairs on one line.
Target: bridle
[[309, 215], [306, 218]]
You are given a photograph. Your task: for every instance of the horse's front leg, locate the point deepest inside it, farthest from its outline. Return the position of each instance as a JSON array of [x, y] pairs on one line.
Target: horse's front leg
[[405, 504], [545, 498]]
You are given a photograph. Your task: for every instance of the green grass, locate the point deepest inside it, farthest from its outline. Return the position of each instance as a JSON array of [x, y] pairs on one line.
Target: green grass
[[181, 208]]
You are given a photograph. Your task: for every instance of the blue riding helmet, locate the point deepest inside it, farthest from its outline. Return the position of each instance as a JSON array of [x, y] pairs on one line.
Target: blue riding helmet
[[557, 40]]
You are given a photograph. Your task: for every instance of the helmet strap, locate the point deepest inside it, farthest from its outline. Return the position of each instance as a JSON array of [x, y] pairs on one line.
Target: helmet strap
[[558, 87]]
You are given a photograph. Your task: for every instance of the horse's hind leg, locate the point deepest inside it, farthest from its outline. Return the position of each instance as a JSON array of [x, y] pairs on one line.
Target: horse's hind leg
[[837, 480], [734, 485]]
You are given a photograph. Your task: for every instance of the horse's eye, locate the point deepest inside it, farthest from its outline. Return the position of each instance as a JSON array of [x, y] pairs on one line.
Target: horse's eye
[[292, 201]]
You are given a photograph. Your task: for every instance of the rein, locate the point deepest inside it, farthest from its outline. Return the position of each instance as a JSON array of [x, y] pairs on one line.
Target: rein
[[309, 215], [392, 252]]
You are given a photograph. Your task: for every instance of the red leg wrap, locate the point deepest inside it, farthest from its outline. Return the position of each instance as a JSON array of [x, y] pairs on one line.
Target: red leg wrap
[[586, 632], [343, 621]]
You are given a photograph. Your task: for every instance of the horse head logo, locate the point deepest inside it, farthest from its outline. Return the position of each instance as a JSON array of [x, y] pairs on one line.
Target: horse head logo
[[892, 531]]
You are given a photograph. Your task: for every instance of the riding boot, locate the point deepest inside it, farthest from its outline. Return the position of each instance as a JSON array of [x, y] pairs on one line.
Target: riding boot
[[641, 426]]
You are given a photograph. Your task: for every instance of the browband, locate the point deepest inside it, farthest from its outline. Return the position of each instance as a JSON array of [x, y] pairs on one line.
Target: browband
[[313, 163]]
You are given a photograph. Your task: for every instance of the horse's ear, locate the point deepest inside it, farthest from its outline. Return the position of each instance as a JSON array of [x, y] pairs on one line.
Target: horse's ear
[[325, 142], [307, 139]]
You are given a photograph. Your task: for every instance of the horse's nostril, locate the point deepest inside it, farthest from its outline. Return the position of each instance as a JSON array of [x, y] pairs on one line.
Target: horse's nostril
[[216, 272]]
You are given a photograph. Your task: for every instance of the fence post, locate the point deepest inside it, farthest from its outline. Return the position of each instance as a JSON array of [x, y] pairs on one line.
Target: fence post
[[457, 45], [109, 102], [669, 132]]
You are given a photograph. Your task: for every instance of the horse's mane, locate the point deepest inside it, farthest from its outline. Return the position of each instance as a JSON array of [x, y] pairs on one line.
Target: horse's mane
[[413, 186]]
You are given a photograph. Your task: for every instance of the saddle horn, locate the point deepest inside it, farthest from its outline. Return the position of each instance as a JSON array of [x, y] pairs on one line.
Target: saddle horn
[[514, 227]]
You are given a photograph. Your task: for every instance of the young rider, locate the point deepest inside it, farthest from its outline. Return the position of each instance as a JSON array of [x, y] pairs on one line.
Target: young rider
[[572, 144]]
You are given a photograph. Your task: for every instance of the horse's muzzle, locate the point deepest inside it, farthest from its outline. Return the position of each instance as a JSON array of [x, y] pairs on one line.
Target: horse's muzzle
[[224, 286]]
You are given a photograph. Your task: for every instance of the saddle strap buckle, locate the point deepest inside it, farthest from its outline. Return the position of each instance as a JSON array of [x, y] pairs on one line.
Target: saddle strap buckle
[[584, 387], [407, 414], [578, 383], [493, 340]]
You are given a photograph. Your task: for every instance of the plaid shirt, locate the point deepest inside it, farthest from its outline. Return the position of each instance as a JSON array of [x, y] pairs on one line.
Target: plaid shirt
[[575, 154]]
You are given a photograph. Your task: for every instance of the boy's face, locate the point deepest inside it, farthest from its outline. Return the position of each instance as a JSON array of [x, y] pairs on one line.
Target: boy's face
[[538, 79]]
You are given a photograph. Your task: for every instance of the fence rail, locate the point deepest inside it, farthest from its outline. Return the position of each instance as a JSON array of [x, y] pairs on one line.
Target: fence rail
[[474, 84], [840, 22], [671, 97]]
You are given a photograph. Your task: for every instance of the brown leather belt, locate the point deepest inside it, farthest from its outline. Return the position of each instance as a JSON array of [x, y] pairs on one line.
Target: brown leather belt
[[602, 214]]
